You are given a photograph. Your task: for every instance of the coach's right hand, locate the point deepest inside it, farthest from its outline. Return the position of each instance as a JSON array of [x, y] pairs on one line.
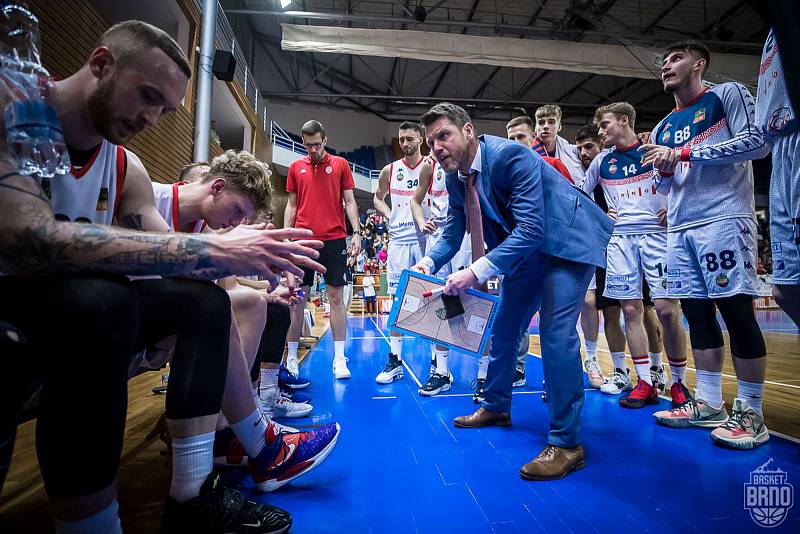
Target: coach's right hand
[[421, 268], [255, 249]]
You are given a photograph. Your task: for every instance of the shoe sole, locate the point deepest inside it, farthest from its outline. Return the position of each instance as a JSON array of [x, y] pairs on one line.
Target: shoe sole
[[745, 444], [709, 424], [395, 377], [636, 406], [296, 386], [273, 484], [577, 467], [673, 423], [294, 415], [481, 426], [520, 384], [619, 391], [425, 393]]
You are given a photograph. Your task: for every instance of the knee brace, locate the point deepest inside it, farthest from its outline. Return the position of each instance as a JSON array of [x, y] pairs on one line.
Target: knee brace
[[747, 342], [704, 330]]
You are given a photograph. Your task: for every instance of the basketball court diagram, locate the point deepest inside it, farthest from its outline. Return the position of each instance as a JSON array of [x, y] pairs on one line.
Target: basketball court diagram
[[425, 316]]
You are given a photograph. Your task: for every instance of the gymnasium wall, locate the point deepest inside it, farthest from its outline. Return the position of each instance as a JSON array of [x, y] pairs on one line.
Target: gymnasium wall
[[70, 30]]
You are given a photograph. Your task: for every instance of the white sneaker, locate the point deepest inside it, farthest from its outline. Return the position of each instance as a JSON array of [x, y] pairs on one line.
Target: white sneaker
[[596, 379], [292, 365], [660, 378], [284, 407], [617, 383], [340, 369], [393, 371]]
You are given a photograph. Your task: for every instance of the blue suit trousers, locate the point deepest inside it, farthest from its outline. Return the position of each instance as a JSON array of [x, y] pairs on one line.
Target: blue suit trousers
[[556, 288]]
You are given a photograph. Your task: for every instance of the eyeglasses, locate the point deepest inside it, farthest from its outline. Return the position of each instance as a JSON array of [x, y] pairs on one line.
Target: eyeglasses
[[315, 146]]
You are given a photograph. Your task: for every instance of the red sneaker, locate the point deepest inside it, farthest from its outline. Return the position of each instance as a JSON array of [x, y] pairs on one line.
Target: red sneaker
[[680, 395], [642, 394]]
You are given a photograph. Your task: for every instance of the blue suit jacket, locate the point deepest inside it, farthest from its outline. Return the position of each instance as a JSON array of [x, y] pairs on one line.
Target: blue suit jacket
[[540, 211]]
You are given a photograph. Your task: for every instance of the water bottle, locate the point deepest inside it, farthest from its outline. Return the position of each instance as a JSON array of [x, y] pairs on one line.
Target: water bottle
[[34, 135]]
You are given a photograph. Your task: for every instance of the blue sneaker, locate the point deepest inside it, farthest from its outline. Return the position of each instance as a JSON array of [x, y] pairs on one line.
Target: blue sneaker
[[288, 380], [289, 455], [294, 394]]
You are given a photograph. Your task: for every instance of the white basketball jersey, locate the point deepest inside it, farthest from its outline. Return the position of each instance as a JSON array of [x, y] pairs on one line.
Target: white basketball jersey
[[91, 193], [438, 200], [168, 205], [403, 182]]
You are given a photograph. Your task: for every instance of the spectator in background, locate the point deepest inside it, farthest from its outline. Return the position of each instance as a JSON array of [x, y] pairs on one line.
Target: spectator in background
[[212, 134], [369, 293]]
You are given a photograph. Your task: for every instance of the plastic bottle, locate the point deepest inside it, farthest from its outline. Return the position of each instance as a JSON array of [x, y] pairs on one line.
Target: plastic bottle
[[34, 135]]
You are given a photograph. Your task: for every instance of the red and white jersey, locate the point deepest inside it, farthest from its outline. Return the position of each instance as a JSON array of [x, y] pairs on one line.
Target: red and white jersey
[[438, 199], [91, 193], [168, 205], [403, 182]]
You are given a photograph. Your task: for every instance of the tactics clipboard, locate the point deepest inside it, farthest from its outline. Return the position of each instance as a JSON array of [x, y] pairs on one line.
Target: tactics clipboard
[[415, 315]]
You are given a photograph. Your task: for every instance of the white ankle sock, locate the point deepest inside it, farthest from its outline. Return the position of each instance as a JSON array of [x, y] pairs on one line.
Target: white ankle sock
[[642, 365], [106, 521], [396, 346], [192, 461], [655, 359], [338, 349], [292, 349], [441, 362], [591, 349], [619, 360], [678, 370], [709, 386], [753, 393], [250, 432], [483, 367]]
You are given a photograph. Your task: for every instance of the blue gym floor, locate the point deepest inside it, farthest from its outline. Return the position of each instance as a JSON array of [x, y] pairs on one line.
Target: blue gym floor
[[400, 466]]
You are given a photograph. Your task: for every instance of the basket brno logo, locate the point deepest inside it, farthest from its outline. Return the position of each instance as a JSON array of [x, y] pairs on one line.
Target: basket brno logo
[[769, 495]]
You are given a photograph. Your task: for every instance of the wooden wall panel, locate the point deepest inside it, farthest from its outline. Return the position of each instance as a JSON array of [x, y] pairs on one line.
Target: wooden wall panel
[[70, 30]]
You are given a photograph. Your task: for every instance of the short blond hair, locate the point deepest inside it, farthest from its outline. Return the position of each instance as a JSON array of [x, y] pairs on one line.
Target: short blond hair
[[128, 39], [619, 109], [521, 120], [243, 174], [548, 110]]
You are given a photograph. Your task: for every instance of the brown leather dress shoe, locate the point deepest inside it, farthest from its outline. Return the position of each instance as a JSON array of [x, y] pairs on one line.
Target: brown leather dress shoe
[[553, 463], [483, 417]]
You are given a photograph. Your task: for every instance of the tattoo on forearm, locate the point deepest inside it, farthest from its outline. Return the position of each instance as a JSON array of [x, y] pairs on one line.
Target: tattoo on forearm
[[46, 246]]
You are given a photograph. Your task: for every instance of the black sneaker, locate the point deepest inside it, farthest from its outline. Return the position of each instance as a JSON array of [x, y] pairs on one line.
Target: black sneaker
[[478, 385], [519, 379], [220, 510], [393, 370], [436, 384]]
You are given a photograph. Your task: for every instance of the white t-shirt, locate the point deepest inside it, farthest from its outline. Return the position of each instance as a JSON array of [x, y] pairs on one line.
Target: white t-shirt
[[369, 286]]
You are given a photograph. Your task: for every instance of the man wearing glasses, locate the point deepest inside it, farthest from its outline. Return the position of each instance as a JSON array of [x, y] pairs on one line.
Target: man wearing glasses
[[320, 188]]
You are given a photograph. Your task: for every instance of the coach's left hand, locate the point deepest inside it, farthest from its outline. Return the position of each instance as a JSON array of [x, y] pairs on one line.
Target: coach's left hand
[[355, 245], [458, 283]]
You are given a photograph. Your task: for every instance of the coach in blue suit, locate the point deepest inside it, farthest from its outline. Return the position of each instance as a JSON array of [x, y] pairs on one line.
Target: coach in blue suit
[[545, 236]]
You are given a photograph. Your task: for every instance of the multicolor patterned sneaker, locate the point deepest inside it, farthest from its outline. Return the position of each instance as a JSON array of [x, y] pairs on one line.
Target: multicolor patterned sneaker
[[660, 378], [595, 374], [642, 394], [618, 382], [744, 430], [694, 412], [287, 456], [680, 395]]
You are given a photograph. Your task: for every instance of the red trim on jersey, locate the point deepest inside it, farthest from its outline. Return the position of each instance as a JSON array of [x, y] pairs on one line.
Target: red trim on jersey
[[637, 143], [692, 101], [78, 173], [175, 208], [415, 166], [120, 178], [686, 153]]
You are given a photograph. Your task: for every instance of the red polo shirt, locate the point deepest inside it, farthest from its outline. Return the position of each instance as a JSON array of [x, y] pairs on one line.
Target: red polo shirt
[[320, 195]]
